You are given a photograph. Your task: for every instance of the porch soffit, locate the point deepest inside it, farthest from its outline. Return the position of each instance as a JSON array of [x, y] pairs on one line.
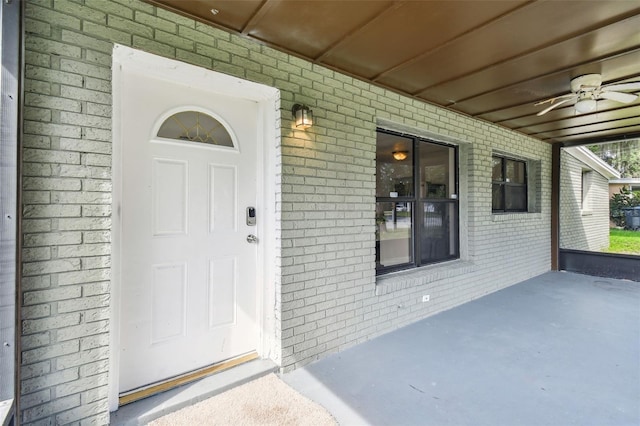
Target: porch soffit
[[486, 59]]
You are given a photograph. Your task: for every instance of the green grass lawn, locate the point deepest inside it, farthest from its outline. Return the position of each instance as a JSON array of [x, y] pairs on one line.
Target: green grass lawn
[[621, 241]]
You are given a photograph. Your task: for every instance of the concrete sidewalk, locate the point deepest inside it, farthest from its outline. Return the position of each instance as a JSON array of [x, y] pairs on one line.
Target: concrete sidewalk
[[558, 349]]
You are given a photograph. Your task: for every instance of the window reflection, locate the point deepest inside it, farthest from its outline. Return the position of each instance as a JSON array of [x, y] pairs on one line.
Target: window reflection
[[438, 242], [394, 178], [515, 171], [436, 178], [394, 233]]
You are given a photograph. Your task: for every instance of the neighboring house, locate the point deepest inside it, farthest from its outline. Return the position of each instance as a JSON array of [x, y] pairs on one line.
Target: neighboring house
[[584, 200], [616, 184], [133, 231]]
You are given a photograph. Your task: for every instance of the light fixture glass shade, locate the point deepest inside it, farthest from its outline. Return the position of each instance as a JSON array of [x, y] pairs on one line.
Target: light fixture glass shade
[[400, 155], [303, 116], [585, 105]]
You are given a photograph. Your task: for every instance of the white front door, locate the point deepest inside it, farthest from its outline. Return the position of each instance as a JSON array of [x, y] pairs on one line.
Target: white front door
[[188, 272]]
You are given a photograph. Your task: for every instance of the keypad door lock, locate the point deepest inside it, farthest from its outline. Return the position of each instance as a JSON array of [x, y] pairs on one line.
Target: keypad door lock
[[251, 216]]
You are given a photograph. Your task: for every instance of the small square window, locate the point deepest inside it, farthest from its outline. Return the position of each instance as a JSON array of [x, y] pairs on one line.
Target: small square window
[[509, 185]]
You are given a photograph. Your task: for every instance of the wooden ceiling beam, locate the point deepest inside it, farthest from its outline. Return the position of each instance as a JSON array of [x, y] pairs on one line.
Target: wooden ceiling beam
[[356, 30], [600, 59], [598, 135], [564, 70], [603, 139], [459, 37], [258, 15], [564, 123], [587, 128], [530, 52]]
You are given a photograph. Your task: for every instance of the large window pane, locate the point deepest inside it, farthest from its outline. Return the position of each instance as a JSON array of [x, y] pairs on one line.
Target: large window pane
[[439, 238], [394, 163], [394, 229]]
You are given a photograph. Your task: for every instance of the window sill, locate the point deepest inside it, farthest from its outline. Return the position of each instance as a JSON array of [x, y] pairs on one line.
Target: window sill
[[505, 217], [401, 280]]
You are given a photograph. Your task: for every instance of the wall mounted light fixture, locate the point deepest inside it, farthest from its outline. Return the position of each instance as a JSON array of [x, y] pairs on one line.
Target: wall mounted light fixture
[[302, 115], [400, 155]]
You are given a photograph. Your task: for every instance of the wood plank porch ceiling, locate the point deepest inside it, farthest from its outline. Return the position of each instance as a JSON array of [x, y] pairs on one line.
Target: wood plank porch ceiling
[[488, 59]]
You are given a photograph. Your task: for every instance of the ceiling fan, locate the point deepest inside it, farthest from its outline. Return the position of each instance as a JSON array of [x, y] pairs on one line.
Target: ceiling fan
[[587, 89]]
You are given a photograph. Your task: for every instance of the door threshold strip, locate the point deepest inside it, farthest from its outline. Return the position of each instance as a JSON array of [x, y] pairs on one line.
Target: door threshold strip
[[140, 393]]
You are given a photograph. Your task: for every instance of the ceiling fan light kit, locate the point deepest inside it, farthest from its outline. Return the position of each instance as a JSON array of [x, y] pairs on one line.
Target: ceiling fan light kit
[[587, 90], [585, 105]]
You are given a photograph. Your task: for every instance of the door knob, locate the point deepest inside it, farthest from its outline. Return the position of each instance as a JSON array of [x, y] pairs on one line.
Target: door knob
[[252, 238]]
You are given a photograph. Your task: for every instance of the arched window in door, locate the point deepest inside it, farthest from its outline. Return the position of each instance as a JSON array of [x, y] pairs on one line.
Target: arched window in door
[[195, 126]]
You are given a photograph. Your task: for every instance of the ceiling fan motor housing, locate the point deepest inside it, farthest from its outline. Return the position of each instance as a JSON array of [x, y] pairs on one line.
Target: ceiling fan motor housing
[[588, 81]]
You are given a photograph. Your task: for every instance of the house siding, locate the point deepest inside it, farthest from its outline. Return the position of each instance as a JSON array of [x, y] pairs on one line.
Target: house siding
[[327, 295], [583, 227]]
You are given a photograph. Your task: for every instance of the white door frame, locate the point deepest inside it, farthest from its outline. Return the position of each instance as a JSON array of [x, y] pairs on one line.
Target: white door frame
[[268, 99]]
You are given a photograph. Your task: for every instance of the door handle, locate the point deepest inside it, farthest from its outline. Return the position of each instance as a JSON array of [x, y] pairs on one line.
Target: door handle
[[252, 239]]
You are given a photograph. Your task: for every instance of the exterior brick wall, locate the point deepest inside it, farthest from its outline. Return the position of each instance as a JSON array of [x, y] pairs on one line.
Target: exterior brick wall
[[328, 297], [583, 227]]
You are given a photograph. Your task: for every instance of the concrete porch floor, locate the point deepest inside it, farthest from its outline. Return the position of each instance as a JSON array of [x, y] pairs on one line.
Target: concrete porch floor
[[558, 349]]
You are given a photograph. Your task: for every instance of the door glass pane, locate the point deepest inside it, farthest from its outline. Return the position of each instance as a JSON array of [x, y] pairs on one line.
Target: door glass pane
[[439, 237], [516, 198], [515, 171], [394, 244], [394, 163], [437, 174], [195, 126]]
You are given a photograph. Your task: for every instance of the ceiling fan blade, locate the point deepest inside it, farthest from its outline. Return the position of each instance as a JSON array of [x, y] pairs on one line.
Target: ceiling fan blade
[[568, 95], [625, 98], [634, 85], [546, 110]]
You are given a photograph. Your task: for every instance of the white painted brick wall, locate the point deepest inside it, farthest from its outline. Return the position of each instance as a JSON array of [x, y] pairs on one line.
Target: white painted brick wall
[[583, 228], [328, 297]]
